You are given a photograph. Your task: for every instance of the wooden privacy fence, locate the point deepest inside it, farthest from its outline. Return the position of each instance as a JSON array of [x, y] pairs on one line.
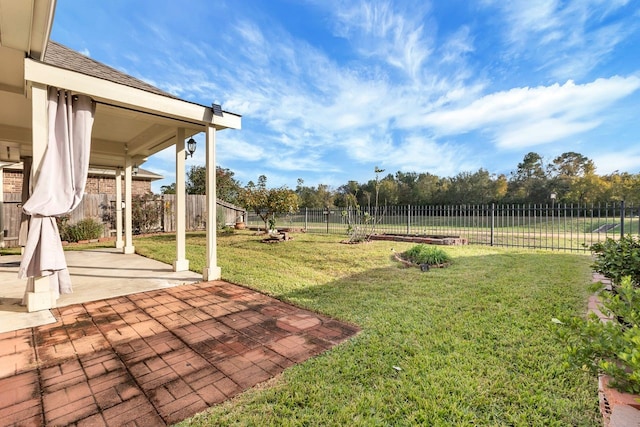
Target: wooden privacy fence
[[102, 207]]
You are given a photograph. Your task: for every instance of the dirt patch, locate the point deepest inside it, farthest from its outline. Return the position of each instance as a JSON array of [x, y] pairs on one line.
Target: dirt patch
[[429, 240]]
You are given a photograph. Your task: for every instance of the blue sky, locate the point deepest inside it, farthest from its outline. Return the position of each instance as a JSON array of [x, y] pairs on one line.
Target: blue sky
[[329, 89]]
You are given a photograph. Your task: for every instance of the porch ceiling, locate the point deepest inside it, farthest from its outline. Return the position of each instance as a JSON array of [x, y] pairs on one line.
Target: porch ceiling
[[114, 129]]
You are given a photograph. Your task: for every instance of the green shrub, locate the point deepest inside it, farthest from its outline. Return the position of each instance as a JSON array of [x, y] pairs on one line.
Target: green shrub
[[616, 259], [426, 254], [221, 218], [85, 229], [612, 347], [227, 230], [146, 212]]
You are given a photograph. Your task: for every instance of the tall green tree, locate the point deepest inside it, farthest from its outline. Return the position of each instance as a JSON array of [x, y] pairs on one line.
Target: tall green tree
[[573, 178], [227, 187], [529, 183], [347, 195], [622, 186], [196, 180], [168, 189], [314, 198], [471, 188]]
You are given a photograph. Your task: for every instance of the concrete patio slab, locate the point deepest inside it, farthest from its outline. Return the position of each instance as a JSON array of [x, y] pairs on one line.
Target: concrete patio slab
[[154, 357], [95, 274]]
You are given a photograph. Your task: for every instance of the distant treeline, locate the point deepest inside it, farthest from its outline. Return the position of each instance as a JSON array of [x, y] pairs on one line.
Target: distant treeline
[[570, 177]]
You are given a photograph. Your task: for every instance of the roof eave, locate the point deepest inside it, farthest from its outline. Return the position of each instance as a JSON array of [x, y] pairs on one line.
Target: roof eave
[[26, 25], [127, 97]]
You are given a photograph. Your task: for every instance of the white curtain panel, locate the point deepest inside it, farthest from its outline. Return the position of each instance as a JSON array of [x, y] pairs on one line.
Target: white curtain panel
[[58, 188]]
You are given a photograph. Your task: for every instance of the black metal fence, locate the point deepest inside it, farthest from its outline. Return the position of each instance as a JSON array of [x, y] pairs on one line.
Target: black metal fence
[[565, 227]]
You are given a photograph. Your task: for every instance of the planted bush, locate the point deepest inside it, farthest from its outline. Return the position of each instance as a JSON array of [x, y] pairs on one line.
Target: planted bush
[[616, 259], [85, 229], [426, 254], [611, 347], [146, 213]]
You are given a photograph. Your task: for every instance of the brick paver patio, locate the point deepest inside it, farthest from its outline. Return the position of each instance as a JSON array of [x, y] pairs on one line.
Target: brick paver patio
[[154, 358]]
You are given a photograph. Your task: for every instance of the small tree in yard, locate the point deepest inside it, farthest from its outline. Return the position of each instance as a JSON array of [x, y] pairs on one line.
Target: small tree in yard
[[146, 213], [362, 225], [268, 203]]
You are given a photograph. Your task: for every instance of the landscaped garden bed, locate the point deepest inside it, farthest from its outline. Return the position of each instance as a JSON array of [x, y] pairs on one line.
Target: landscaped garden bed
[[416, 238]]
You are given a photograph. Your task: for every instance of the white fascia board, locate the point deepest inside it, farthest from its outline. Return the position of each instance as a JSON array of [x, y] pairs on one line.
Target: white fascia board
[[125, 96], [43, 12]]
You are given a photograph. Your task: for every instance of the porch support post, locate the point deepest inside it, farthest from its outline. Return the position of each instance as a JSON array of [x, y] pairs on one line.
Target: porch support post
[[119, 241], [41, 298], [181, 263], [1, 208], [128, 216], [211, 270]]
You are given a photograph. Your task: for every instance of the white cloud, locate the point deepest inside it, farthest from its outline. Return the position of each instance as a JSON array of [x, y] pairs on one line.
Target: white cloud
[[166, 156], [569, 39], [377, 28], [416, 153], [233, 148], [541, 132], [456, 46], [609, 161], [529, 116]]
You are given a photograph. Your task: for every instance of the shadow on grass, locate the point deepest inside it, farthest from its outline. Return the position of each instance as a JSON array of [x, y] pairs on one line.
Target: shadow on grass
[[467, 344]]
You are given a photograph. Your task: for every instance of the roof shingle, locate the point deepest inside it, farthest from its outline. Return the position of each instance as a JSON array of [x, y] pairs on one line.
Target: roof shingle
[[63, 57]]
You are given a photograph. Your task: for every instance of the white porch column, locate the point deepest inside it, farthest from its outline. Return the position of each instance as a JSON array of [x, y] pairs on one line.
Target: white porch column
[[119, 241], [1, 208], [181, 263], [211, 270], [128, 217], [41, 298]]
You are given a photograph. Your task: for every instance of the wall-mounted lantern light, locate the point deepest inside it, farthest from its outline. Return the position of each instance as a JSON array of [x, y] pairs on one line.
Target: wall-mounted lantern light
[[191, 148]]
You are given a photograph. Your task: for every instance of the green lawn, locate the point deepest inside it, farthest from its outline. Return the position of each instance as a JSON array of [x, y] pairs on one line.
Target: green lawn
[[474, 341]]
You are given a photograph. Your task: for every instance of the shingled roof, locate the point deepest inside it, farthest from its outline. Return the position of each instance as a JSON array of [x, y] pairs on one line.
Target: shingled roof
[[63, 57]]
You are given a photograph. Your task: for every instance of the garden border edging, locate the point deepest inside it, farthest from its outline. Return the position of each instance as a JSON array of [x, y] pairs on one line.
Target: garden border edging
[[618, 409]]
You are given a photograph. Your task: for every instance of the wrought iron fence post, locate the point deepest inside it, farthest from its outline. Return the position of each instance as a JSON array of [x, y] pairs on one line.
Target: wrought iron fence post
[[326, 212], [493, 220], [408, 219], [306, 218], [621, 218]]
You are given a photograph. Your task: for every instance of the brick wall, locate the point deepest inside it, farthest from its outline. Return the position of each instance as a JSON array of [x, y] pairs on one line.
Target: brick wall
[[95, 184]]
